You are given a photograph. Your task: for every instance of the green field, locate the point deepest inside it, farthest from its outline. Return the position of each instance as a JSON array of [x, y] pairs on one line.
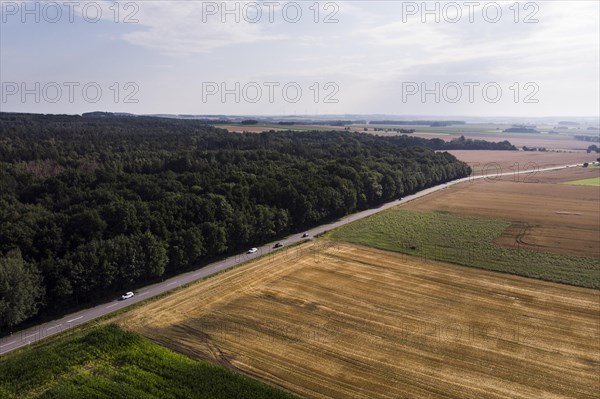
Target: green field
[[107, 362], [467, 241], [593, 181]]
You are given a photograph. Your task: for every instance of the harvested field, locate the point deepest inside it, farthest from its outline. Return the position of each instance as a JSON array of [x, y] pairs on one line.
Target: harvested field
[[350, 321], [559, 176], [546, 217], [512, 161]]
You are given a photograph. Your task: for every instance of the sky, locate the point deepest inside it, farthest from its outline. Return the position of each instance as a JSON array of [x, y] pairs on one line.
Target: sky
[[524, 59]]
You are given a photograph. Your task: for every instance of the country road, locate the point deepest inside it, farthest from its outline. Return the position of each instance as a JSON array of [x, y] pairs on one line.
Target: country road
[[39, 332]]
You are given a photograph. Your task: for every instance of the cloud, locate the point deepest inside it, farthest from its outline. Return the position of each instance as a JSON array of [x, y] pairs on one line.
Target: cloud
[[188, 27], [489, 50]]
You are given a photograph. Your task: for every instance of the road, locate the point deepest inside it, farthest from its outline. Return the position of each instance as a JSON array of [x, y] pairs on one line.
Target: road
[[39, 332]]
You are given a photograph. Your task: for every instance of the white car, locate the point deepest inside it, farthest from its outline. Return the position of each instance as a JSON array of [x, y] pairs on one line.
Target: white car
[[252, 250], [127, 295]]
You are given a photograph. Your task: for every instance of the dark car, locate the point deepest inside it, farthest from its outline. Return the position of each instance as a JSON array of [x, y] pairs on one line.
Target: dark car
[[304, 235], [278, 245]]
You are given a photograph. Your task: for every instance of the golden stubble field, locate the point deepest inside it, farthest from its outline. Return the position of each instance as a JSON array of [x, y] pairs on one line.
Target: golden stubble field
[[333, 320]]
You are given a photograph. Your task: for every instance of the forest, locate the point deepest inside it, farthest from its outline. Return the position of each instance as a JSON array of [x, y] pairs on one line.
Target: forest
[[93, 206]]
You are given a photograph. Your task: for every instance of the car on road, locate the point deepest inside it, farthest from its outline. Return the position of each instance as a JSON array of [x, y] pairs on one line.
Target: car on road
[[252, 250], [278, 245], [127, 295], [304, 235]]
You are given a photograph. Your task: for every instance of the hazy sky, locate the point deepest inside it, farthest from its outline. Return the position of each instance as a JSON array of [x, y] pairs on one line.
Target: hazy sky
[[479, 59]]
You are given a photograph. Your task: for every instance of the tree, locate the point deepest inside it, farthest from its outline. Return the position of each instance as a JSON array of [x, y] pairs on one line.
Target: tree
[[85, 226], [121, 218], [126, 256], [193, 244], [215, 237], [21, 290], [155, 254]]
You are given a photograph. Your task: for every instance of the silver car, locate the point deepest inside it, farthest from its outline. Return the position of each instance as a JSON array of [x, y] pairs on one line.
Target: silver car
[[127, 295]]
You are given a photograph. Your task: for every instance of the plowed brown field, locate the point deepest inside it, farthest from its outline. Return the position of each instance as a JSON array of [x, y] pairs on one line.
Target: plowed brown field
[[354, 322]]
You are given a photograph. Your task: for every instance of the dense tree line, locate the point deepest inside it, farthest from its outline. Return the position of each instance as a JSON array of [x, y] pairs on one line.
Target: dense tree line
[[520, 130], [460, 143], [90, 206]]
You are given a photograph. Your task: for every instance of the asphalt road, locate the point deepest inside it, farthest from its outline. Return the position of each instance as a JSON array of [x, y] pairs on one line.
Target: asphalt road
[[39, 332]]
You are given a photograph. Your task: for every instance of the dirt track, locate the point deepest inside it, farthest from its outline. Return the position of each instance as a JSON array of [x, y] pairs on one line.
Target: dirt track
[[349, 321]]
